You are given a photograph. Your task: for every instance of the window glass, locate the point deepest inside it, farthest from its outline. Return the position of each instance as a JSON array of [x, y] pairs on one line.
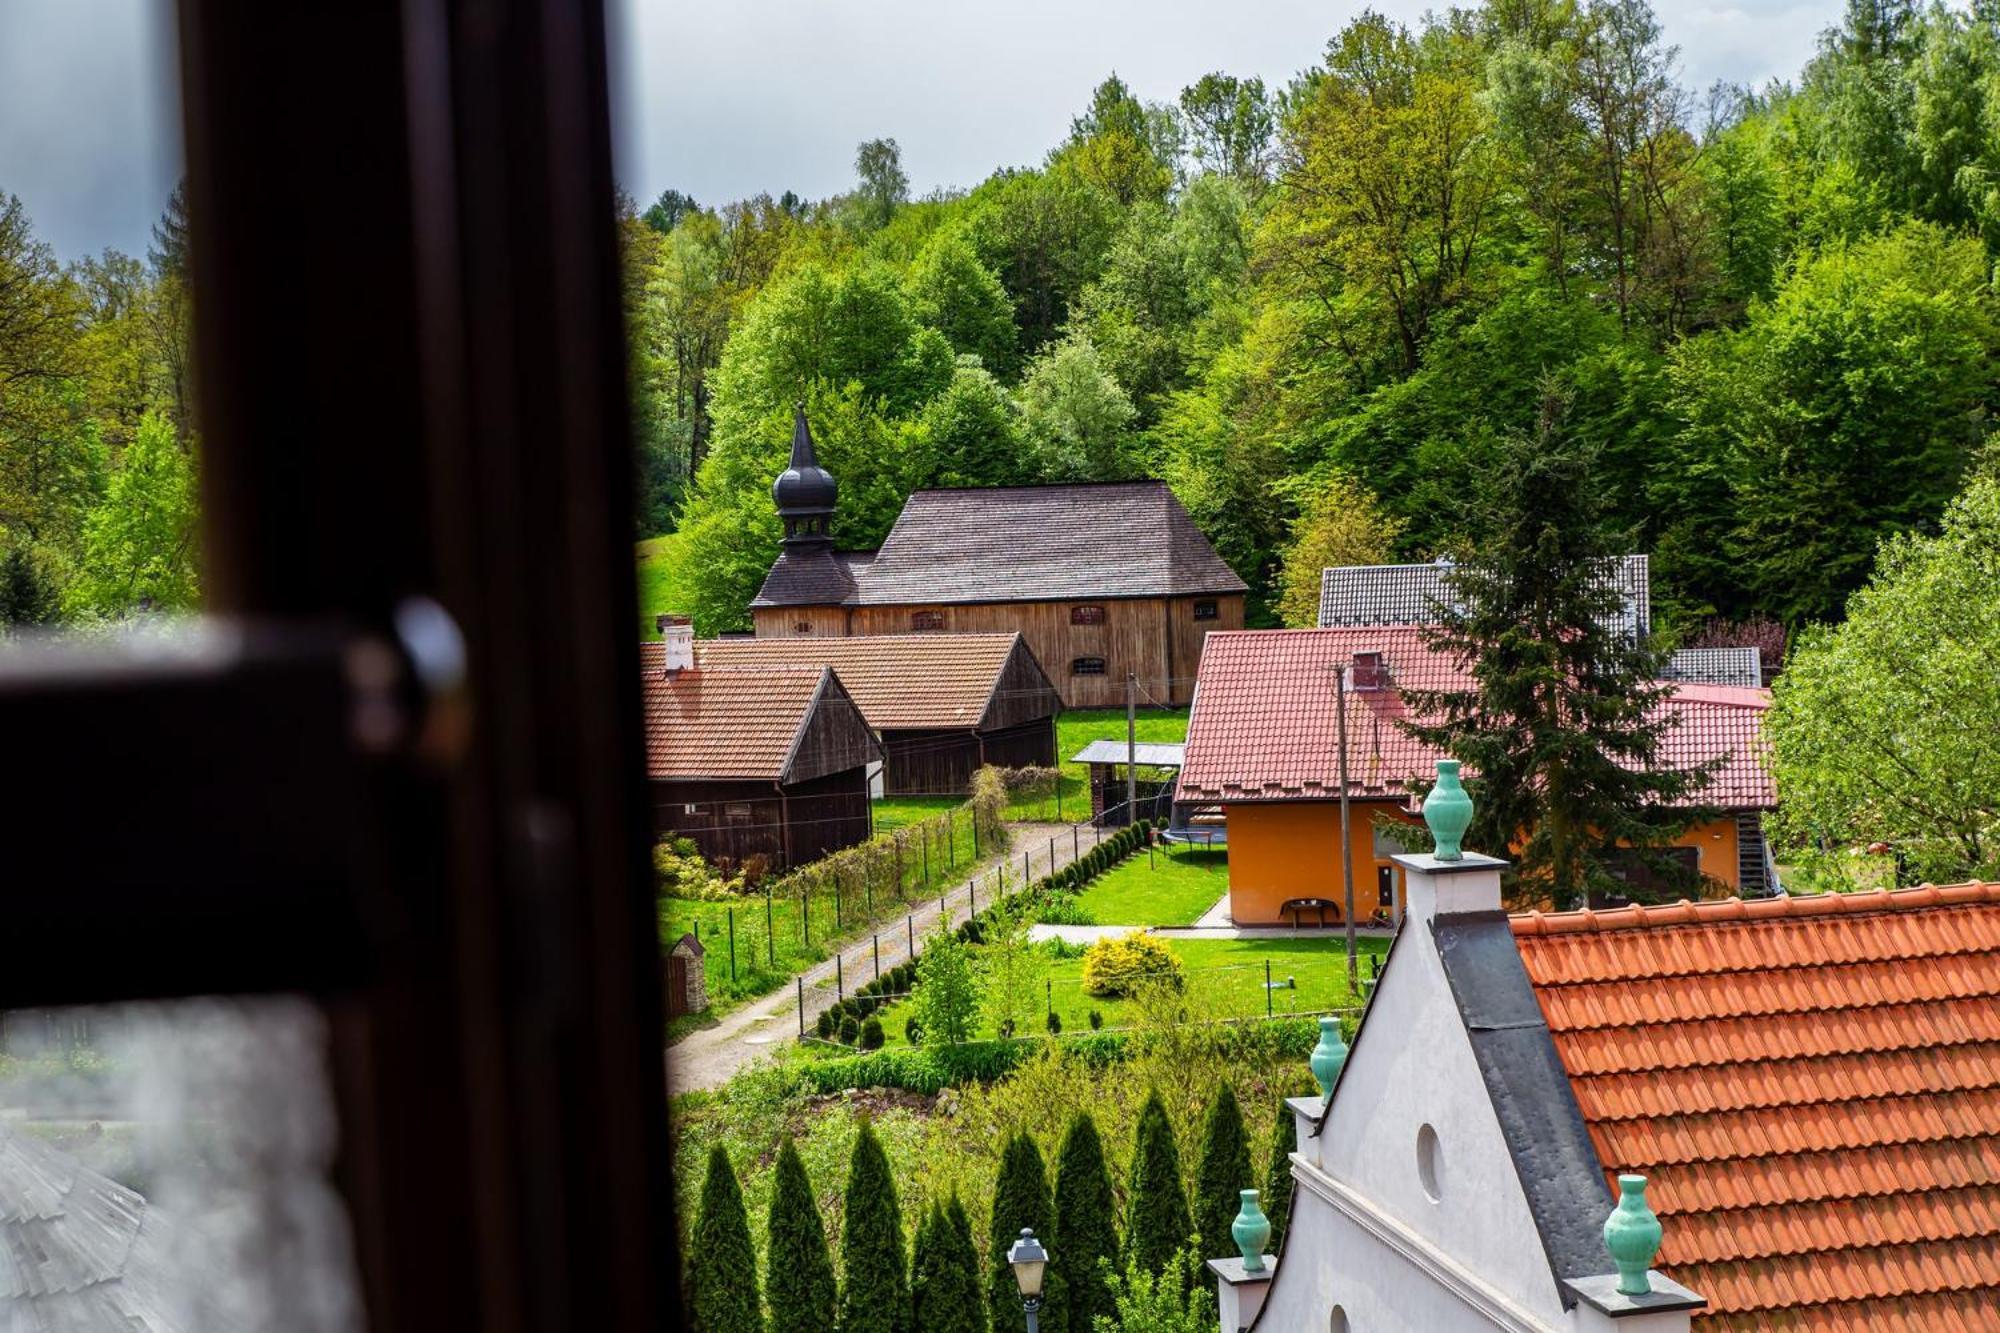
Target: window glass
[[1086, 666], [1086, 615], [1205, 610]]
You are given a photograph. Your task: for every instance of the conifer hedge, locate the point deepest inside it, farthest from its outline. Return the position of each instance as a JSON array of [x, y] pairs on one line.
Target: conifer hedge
[[799, 1288], [1021, 1199], [875, 1290], [944, 1284], [1084, 1230], [1221, 1173], [722, 1272], [1157, 1222]]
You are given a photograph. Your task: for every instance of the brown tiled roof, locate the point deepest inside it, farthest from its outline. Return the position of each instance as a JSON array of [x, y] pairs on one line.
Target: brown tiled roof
[[1019, 544], [1265, 726], [899, 681], [1811, 1084], [725, 724]]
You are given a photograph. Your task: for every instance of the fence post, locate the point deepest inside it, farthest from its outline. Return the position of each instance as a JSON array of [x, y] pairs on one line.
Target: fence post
[[950, 844], [1267, 988], [1025, 872], [1059, 818], [975, 835], [805, 916], [972, 897], [839, 983], [770, 936], [802, 1008], [836, 900], [1075, 852], [910, 924], [925, 830], [732, 946], [1049, 994], [868, 895], [878, 958]]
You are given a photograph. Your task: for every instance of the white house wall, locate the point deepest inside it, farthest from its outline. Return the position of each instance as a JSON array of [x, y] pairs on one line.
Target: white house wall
[[1407, 1264]]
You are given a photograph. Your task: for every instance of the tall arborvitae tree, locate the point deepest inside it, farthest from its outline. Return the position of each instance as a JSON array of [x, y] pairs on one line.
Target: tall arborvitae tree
[[1561, 715], [1157, 1224], [1085, 1228], [799, 1286], [722, 1272], [1221, 1174], [875, 1290], [1021, 1199], [944, 1278], [928, 1280], [1277, 1197]]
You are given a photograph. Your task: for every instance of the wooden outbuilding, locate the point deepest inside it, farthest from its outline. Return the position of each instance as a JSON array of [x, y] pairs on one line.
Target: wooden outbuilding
[[1103, 580], [942, 705], [767, 763]]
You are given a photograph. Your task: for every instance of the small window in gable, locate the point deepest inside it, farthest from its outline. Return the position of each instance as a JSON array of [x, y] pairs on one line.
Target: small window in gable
[[923, 621], [1205, 609], [1086, 615], [1086, 666], [802, 627]]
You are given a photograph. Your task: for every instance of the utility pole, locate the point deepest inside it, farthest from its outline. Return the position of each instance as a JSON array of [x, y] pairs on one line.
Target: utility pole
[[1346, 832], [1131, 746]]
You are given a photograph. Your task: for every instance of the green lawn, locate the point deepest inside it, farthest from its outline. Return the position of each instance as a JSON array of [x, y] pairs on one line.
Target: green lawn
[[1169, 887], [894, 812], [659, 559], [1225, 979]]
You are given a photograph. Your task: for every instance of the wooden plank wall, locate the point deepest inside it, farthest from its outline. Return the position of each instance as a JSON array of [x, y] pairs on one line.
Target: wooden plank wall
[[828, 814], [836, 738], [825, 815], [1033, 744], [793, 622], [928, 763]]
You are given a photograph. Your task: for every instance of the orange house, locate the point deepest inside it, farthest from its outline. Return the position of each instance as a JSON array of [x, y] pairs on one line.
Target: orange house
[[1263, 745]]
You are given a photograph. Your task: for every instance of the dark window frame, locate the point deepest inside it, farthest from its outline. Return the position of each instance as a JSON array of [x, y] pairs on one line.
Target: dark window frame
[[926, 622], [1088, 666], [1092, 613], [1207, 609]]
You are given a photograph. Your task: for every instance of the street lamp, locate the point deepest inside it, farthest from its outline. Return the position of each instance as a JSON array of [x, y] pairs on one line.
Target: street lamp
[[1029, 1259]]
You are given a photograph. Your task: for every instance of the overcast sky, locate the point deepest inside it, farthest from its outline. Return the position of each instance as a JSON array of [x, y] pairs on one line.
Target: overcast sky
[[726, 98]]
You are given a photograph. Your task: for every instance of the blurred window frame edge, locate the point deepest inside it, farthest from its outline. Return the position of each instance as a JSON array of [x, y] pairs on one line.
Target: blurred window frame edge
[[410, 378]]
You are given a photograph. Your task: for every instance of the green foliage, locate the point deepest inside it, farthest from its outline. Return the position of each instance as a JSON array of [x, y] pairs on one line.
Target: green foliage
[[680, 871], [944, 1281], [1084, 1235], [1882, 728], [1021, 1199], [969, 435], [1175, 1300], [722, 1266], [1075, 416], [952, 292], [1338, 524], [1124, 964], [948, 991], [1276, 1199], [139, 545], [875, 1284], [799, 1286], [871, 1034], [1157, 1223], [1561, 715], [1221, 1172]]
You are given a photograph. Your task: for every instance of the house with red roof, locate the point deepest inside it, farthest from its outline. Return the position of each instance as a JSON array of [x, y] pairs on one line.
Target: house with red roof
[[1263, 748], [1792, 1104]]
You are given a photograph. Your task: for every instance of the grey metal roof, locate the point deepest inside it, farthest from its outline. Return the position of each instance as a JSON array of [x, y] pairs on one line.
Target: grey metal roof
[[1019, 544], [79, 1253], [1718, 666], [1412, 594], [1152, 754]]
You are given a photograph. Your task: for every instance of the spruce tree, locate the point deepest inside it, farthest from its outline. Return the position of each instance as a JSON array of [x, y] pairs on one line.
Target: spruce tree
[[722, 1272], [1157, 1223], [1221, 1174], [1085, 1229], [875, 1290], [944, 1278], [1021, 1199], [1562, 714], [928, 1281], [798, 1286]]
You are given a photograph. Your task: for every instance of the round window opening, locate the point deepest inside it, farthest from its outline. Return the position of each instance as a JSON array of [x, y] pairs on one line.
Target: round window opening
[[1429, 1164], [1338, 1323]]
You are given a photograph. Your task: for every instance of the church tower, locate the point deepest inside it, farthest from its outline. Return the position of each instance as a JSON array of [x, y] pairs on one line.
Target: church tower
[[805, 493]]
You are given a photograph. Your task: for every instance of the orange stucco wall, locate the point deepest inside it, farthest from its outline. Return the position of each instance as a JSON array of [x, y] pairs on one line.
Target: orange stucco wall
[[1282, 850]]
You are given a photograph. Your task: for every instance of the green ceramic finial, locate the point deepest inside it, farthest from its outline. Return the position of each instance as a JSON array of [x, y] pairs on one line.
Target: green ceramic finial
[[1329, 1055], [1447, 812], [1251, 1231], [1632, 1234]]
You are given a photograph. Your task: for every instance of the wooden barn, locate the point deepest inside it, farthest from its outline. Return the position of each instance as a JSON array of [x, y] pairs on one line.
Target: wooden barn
[[940, 704], [1101, 579], [771, 763]]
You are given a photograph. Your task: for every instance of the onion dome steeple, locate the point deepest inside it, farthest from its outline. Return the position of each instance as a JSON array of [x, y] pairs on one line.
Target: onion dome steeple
[[805, 491]]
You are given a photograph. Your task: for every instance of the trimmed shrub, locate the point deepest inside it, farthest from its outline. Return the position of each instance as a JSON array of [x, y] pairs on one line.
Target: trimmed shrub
[[849, 1030], [824, 1026], [1118, 966], [1096, 1020], [1222, 1170], [876, 1294], [913, 1031], [722, 1272], [799, 1286], [1157, 1222], [871, 1035], [1055, 1023], [1084, 1230]]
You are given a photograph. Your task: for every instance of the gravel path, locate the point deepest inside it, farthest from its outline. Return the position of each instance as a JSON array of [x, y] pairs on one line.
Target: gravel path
[[709, 1057]]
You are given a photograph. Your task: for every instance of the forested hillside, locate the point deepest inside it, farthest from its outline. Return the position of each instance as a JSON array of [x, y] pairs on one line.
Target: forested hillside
[[1770, 310]]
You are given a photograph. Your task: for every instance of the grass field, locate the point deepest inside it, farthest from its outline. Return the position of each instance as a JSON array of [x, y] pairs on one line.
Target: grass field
[[1171, 888]]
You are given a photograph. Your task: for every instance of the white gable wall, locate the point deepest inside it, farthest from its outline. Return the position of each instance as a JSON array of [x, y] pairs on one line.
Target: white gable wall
[[1364, 1234]]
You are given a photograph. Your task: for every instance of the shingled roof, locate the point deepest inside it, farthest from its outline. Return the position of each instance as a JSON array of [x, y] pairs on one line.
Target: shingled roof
[[1812, 1085], [739, 724], [899, 681], [1265, 727], [1412, 594], [79, 1252], [1018, 544]]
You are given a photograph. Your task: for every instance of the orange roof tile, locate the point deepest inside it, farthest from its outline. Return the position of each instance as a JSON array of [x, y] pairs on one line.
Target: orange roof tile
[[1813, 1087], [727, 724]]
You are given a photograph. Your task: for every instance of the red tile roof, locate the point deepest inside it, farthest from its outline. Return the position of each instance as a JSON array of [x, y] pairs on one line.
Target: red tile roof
[[1812, 1086], [1265, 726], [726, 724]]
